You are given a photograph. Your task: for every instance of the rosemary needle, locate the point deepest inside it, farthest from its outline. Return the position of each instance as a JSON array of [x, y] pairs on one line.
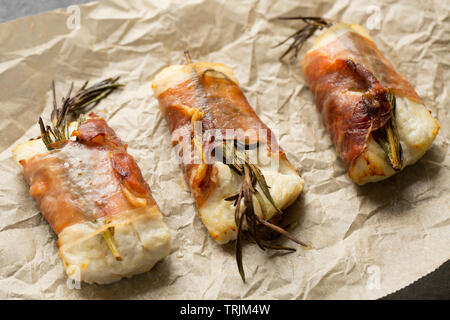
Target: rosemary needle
[[299, 37], [388, 138], [72, 107], [252, 176], [109, 238]]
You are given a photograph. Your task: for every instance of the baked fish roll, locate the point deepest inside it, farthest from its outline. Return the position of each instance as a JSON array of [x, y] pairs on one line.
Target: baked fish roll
[[93, 195], [375, 118], [239, 177]]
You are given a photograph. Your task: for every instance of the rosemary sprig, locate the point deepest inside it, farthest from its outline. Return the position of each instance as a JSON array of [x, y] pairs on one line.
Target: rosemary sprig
[[252, 176], [72, 107], [299, 37], [388, 138], [187, 56]]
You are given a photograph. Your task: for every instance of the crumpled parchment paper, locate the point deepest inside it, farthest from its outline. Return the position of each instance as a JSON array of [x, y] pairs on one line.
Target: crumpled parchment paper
[[368, 241]]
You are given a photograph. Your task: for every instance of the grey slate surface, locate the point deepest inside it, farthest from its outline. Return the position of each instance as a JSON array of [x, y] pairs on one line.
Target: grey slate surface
[[13, 9], [433, 286]]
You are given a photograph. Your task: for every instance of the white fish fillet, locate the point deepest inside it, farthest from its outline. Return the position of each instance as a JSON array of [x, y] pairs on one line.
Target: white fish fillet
[[416, 126], [217, 214], [141, 236]]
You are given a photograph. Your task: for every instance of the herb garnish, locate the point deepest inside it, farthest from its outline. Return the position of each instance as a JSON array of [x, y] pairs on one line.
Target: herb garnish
[[388, 138], [72, 107], [312, 25], [252, 177], [108, 235]]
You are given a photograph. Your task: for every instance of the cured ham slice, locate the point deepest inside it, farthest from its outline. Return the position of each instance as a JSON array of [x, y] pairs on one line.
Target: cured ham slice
[[375, 118], [92, 193], [203, 97]]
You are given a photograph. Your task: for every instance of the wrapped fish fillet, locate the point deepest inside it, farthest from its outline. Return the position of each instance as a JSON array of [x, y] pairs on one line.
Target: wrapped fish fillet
[[375, 118], [241, 180], [92, 193]]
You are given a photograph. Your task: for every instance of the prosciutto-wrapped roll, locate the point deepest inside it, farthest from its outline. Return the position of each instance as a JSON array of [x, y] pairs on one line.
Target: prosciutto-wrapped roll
[[376, 119], [92, 193], [237, 174]]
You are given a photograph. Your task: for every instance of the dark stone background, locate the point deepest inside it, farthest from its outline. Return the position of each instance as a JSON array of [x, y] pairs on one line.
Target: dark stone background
[[436, 285]]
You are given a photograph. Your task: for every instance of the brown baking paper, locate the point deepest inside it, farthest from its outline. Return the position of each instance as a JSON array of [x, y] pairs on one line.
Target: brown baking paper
[[367, 241]]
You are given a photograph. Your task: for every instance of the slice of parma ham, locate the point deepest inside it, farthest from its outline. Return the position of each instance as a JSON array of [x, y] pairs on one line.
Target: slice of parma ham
[[375, 118], [238, 175], [92, 193]]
